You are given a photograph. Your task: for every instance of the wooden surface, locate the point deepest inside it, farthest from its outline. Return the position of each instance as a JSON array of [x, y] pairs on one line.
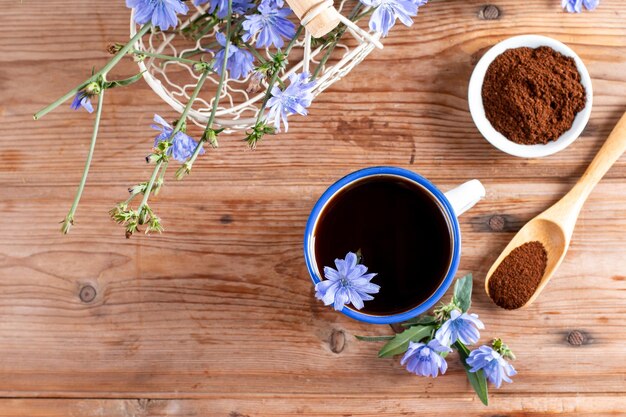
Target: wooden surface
[[555, 226], [217, 317]]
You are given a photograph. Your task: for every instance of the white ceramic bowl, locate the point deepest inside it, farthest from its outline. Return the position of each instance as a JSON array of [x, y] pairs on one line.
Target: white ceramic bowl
[[496, 138]]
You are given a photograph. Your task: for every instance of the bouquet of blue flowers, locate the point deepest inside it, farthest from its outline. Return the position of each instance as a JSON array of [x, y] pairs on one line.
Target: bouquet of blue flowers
[[428, 339], [242, 47]]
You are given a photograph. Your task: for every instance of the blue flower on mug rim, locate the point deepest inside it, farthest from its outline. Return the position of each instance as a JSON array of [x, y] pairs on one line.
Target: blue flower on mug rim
[[349, 283]]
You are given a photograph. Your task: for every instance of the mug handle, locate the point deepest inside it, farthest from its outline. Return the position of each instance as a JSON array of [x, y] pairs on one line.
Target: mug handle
[[465, 196]]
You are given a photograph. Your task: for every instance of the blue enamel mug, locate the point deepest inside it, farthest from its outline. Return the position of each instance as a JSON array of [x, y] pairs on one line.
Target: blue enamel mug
[[451, 204]]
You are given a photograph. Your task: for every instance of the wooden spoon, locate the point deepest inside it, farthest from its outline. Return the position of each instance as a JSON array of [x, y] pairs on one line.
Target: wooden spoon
[[554, 227]]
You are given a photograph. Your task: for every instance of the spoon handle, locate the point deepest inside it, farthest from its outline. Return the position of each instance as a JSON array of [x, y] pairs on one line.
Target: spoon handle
[[610, 152], [566, 211]]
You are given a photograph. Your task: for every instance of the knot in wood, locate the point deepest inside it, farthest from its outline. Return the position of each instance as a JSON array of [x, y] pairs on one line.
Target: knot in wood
[[237, 414], [112, 48], [337, 341], [489, 12], [576, 338], [87, 294], [497, 223]]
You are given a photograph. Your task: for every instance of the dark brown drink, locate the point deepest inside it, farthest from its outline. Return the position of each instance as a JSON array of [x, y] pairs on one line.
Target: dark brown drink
[[400, 230]]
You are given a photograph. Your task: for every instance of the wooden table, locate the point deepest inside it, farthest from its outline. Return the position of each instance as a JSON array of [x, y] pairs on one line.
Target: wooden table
[[217, 316]]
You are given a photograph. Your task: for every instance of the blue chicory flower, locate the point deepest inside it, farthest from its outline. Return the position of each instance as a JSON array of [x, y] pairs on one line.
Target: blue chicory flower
[[349, 283], [293, 99], [238, 6], [572, 6], [273, 3], [270, 25], [239, 62], [576, 6], [425, 359], [495, 367], [463, 327], [183, 145], [82, 99], [162, 13], [387, 11]]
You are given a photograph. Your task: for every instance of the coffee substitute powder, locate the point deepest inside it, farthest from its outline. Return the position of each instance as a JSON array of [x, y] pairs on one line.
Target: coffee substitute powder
[[532, 96], [517, 277]]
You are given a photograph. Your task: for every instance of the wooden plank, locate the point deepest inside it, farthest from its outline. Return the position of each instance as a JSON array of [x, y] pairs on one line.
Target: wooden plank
[[328, 406], [422, 107], [196, 325], [220, 310]]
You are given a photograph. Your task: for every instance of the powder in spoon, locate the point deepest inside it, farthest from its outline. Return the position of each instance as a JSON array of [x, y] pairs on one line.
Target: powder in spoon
[[517, 277], [532, 96]]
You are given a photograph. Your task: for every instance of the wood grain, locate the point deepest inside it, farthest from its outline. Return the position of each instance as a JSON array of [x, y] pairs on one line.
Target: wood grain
[[278, 406], [217, 315]]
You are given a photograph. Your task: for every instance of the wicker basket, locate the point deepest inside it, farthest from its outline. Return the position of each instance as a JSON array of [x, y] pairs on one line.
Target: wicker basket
[[174, 81]]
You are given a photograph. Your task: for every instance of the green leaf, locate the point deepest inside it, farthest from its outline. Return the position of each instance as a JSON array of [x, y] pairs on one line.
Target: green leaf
[[123, 83], [463, 292], [400, 342], [374, 338], [425, 319], [476, 379]]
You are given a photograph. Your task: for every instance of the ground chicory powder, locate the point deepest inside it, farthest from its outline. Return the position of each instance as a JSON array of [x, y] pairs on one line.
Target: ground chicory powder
[[532, 96], [517, 277]]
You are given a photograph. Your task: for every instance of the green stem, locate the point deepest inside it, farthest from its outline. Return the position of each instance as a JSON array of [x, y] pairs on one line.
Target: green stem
[[122, 52], [177, 128], [354, 16], [356, 10], [161, 179], [218, 93], [223, 74], [192, 52], [166, 57], [254, 52], [362, 15], [268, 93], [130, 198], [204, 31], [260, 58], [238, 22], [196, 20], [476, 379], [162, 176], [194, 156], [202, 50], [324, 59], [146, 195], [69, 219]]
